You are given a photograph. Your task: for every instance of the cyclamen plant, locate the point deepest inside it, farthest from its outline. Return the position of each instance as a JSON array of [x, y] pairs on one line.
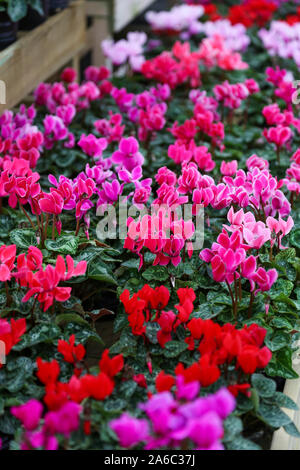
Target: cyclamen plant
[[202, 119]]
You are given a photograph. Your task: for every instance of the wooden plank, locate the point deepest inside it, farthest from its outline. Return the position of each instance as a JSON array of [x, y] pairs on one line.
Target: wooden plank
[[95, 35], [97, 8], [281, 439], [126, 10], [40, 53]]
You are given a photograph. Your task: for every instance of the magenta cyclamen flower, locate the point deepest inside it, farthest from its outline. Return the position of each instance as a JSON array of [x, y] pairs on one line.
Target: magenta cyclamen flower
[[279, 135], [64, 421], [130, 431], [29, 414], [229, 168], [128, 155], [92, 146], [265, 279], [110, 192], [173, 421]]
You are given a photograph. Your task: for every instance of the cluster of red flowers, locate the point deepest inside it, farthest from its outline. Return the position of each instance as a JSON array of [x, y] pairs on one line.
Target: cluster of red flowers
[[252, 13], [182, 66], [211, 11], [220, 346], [10, 334], [80, 386], [293, 19], [147, 306], [175, 67]]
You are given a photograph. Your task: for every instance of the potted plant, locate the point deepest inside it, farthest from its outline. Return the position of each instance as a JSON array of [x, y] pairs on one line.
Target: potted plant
[[8, 27], [37, 13], [25, 14]]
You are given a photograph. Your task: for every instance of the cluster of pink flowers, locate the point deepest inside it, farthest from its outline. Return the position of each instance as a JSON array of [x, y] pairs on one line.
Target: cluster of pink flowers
[[112, 128], [292, 179], [41, 432], [59, 94], [161, 235], [232, 95], [235, 36], [228, 256], [280, 132], [174, 420], [41, 282], [148, 111], [282, 40], [214, 52], [20, 138], [205, 122], [177, 19], [126, 50], [256, 188]]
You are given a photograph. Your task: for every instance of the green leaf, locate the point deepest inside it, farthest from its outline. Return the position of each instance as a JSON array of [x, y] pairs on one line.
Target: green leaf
[[232, 427], [126, 345], [100, 272], [279, 322], [291, 430], [39, 334], [37, 6], [131, 263], [65, 244], [281, 365], [19, 371], [265, 387], [288, 254], [64, 159], [277, 340], [8, 424], [207, 311], [17, 9], [23, 238], [127, 388], [156, 273], [151, 332], [65, 318], [273, 415], [83, 335], [284, 401], [281, 286], [295, 238], [174, 348], [240, 443]]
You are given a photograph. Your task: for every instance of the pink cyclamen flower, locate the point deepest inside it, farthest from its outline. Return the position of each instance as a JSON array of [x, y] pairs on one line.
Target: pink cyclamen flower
[[279, 135], [265, 279], [128, 155], [229, 168], [92, 146], [29, 414], [65, 420], [130, 431], [7, 259]]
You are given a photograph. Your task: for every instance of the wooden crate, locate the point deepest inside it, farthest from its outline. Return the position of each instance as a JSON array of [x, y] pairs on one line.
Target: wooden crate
[[109, 17], [40, 53]]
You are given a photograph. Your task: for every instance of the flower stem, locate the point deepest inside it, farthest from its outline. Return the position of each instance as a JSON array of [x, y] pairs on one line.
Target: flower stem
[[26, 214], [232, 299]]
